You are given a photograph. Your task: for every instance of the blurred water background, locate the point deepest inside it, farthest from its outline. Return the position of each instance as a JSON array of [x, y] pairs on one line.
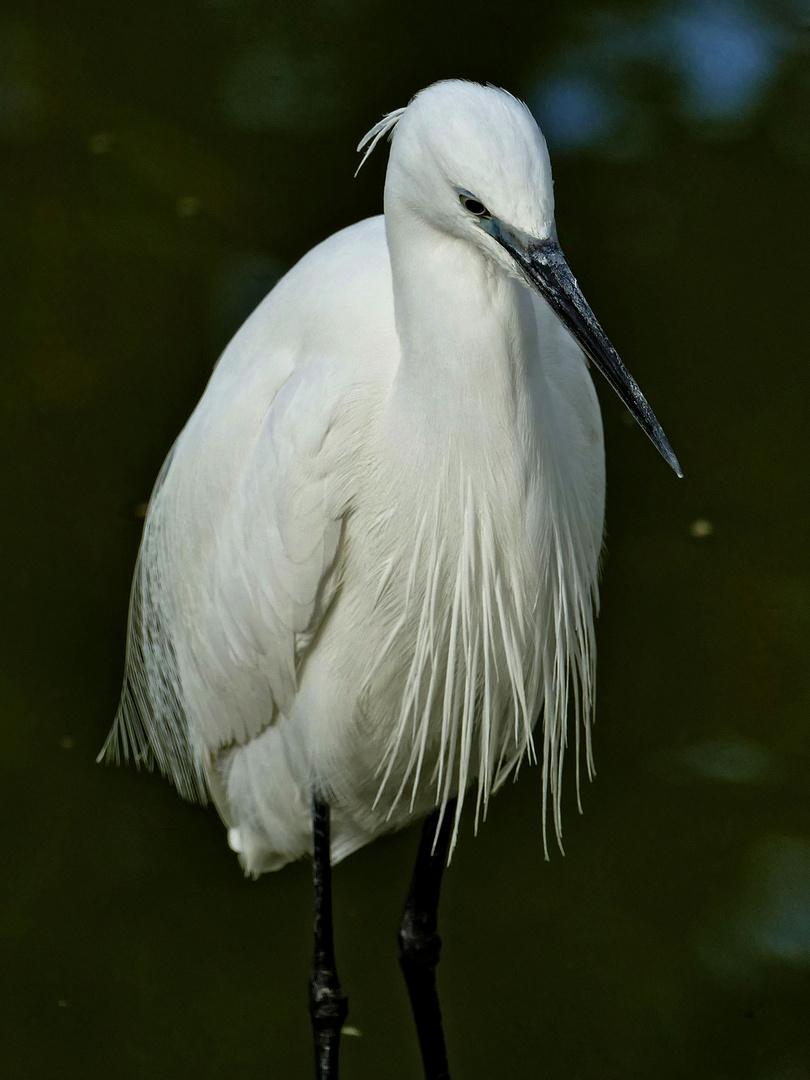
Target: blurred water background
[[162, 164]]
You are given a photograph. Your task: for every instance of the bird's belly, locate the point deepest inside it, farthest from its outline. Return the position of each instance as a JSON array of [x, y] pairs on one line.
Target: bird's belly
[[466, 604], [432, 644]]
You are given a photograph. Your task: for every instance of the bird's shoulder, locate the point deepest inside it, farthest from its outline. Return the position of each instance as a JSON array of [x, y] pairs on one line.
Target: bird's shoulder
[[337, 300], [299, 377]]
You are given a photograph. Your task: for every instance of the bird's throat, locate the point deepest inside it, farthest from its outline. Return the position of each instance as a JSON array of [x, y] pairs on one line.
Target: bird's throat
[[467, 334]]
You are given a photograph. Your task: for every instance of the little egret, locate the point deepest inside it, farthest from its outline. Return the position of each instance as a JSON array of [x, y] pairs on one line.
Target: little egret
[[369, 563]]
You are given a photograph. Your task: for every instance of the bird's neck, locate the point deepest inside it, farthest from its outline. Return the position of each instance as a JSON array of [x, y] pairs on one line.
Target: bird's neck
[[467, 330]]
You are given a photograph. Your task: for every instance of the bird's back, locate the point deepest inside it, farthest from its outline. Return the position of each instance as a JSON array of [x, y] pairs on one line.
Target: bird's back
[[241, 532]]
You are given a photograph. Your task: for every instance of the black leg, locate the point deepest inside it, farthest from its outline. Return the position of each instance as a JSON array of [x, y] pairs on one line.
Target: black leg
[[328, 1005], [420, 944]]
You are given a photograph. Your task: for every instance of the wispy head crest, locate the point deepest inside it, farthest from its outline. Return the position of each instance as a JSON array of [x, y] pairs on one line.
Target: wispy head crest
[[371, 138]]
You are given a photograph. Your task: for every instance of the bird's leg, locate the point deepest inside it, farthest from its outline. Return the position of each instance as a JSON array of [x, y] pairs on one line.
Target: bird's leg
[[420, 944], [328, 1004]]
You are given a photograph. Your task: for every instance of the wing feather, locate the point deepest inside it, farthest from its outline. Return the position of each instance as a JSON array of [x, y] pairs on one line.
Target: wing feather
[[230, 587], [239, 558]]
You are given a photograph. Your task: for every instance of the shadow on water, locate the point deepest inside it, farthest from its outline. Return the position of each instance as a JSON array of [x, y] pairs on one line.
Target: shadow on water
[[163, 164]]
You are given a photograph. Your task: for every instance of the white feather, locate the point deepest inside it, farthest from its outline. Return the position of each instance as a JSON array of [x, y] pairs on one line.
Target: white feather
[[371, 138], [370, 562]]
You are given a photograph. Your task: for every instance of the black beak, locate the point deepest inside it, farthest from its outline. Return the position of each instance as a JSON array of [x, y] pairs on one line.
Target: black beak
[[544, 265]]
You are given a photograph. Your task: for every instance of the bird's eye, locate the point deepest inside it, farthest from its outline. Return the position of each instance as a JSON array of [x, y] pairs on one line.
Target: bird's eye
[[475, 207]]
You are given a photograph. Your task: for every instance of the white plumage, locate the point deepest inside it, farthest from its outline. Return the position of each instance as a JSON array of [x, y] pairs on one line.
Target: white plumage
[[370, 561]]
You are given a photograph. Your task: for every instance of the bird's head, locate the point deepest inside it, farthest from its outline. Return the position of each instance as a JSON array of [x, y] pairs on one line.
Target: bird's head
[[471, 162], [465, 154]]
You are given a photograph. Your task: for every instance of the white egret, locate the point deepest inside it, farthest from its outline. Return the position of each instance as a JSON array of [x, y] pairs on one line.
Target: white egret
[[370, 561]]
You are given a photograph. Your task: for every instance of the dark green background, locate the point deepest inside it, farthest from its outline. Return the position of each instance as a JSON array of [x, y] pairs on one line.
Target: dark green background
[[162, 162]]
